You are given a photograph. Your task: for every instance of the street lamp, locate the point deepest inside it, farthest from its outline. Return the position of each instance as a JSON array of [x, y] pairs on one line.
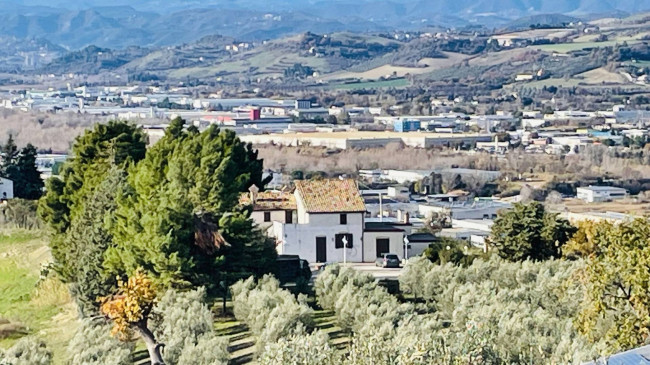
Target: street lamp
[[345, 248], [406, 248]]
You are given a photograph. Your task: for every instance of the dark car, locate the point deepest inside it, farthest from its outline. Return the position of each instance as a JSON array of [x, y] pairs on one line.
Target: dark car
[[290, 268], [388, 260]]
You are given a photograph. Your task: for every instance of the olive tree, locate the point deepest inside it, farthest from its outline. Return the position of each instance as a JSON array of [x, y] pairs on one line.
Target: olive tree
[[27, 351], [184, 323], [269, 311], [92, 344], [300, 348]]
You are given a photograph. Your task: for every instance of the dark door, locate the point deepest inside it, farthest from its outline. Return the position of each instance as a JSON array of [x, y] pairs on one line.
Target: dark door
[[383, 246], [321, 249]]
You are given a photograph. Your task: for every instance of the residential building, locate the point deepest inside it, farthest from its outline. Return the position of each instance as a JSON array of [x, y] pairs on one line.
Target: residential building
[[592, 194], [330, 216], [270, 206]]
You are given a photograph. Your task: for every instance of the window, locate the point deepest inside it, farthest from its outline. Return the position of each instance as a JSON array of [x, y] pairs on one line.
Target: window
[[338, 239], [288, 216], [267, 216], [343, 219]]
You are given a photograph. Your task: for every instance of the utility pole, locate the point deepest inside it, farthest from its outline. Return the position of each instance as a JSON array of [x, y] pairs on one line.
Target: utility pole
[[381, 209]]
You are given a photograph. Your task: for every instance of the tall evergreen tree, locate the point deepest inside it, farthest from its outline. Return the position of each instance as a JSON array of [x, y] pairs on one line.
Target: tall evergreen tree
[[80, 207], [181, 222], [93, 153], [20, 168], [9, 157], [28, 184]]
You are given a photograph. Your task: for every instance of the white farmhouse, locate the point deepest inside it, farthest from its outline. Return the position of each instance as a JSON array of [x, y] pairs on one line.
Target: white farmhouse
[[330, 215]]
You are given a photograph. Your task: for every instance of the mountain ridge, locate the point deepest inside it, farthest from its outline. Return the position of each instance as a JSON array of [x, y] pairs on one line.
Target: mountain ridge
[[121, 23]]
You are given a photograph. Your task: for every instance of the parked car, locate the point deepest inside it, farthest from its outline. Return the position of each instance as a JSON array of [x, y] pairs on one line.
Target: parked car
[[388, 260], [291, 267]]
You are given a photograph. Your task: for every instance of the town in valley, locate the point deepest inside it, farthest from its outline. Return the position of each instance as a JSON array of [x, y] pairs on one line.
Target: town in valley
[[351, 182]]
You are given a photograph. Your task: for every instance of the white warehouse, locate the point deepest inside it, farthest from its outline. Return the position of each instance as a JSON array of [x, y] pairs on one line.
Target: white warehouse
[[593, 194]]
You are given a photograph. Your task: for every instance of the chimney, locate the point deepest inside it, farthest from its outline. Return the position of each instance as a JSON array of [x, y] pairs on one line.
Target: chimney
[[406, 217], [253, 193]]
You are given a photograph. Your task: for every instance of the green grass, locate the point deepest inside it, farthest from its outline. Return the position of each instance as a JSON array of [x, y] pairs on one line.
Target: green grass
[[45, 309], [370, 85]]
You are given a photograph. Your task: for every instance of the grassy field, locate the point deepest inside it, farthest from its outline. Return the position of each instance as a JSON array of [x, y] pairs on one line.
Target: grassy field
[[43, 309], [576, 46]]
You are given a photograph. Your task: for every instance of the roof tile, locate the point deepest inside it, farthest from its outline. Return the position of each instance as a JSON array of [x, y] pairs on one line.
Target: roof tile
[[330, 195]]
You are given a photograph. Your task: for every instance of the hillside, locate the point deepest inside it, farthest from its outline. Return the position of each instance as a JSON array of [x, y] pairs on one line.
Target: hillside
[[313, 58], [118, 24]]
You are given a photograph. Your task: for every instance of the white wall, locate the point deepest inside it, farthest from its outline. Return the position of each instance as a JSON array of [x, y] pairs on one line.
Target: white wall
[[334, 219], [276, 216], [300, 239], [6, 188], [396, 244]]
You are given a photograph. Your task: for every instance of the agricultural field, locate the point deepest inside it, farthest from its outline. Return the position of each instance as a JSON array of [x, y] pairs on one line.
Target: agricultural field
[[369, 85], [426, 65]]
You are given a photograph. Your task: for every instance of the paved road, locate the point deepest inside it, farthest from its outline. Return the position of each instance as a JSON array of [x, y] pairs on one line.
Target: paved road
[[371, 268]]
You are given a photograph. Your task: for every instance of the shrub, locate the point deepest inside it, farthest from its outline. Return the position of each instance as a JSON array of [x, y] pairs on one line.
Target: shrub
[[370, 305], [27, 351], [300, 348], [93, 345], [209, 350], [333, 279], [410, 280], [269, 311], [21, 213]]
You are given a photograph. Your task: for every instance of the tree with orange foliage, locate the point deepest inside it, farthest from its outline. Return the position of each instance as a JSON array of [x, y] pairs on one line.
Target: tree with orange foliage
[[129, 309]]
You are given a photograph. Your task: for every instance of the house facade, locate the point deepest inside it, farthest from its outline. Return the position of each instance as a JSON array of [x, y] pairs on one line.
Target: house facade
[[329, 225], [270, 206]]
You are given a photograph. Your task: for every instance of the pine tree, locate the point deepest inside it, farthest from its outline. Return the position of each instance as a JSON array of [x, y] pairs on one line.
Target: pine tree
[[80, 207], [93, 153], [28, 183], [181, 222], [9, 157]]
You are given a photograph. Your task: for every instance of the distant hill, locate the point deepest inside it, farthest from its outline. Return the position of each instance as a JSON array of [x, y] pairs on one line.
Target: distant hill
[[542, 20], [121, 23]]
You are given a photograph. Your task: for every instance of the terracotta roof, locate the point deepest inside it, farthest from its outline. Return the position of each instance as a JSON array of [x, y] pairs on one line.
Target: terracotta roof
[[270, 200], [330, 195]]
